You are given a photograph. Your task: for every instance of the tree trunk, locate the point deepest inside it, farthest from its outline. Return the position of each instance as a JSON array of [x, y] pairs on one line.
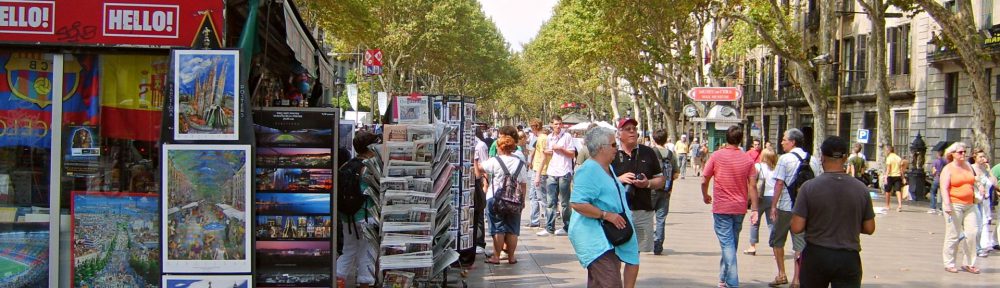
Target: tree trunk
[[875, 10], [635, 109], [649, 115], [818, 102], [961, 29], [614, 97]]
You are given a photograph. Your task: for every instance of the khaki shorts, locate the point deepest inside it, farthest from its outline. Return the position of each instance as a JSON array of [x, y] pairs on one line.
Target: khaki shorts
[[782, 227]]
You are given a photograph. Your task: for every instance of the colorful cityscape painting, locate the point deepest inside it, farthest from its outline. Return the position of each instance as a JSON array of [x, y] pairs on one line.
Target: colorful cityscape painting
[[206, 189], [116, 239], [24, 254], [206, 97]]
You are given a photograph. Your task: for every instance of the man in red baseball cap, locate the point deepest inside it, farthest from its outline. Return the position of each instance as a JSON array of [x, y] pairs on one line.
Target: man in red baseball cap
[[638, 167]]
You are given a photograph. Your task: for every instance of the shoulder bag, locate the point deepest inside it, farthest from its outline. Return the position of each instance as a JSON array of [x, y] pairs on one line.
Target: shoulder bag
[[615, 235]]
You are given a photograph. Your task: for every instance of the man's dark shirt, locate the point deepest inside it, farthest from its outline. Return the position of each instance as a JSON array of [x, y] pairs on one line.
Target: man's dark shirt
[[835, 206], [642, 161]]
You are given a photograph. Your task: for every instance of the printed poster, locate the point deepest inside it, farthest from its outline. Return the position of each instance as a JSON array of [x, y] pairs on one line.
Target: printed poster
[[206, 189], [24, 256], [207, 281], [115, 239], [206, 96]]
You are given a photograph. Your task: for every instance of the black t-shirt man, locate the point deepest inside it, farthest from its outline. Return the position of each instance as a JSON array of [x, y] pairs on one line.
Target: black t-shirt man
[[643, 161]]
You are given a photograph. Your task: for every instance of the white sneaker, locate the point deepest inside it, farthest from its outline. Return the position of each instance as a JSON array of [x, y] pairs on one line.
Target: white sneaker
[[543, 233], [503, 255], [480, 250], [561, 232], [931, 211]]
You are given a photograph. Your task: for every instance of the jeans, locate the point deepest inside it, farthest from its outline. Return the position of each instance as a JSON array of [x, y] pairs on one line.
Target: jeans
[[682, 162], [985, 241], [960, 223], [727, 229], [662, 206], [558, 192], [763, 207], [536, 199], [934, 193]]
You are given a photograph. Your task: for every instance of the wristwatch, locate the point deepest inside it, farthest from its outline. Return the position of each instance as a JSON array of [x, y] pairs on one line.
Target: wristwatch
[[603, 213]]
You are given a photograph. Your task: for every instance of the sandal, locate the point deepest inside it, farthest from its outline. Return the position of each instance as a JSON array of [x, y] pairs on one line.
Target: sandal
[[511, 261], [491, 261], [970, 269], [751, 253], [778, 281], [950, 270]]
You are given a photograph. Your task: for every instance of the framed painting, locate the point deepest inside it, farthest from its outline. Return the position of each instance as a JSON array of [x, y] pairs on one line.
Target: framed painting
[[206, 192], [206, 95]]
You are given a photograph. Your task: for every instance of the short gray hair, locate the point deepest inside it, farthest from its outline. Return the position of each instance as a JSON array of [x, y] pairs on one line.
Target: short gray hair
[[796, 135], [954, 147], [597, 138]]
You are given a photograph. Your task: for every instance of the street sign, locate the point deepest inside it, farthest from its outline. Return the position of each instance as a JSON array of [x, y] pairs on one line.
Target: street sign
[[703, 94], [373, 62], [863, 136]]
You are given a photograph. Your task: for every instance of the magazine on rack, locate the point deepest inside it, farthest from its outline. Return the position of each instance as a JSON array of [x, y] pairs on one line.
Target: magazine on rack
[[422, 259], [398, 279], [442, 261], [412, 110], [422, 185], [400, 151], [408, 215], [420, 132]]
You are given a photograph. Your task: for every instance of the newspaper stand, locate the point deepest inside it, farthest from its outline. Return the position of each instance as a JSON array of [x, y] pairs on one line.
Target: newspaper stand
[[417, 204]]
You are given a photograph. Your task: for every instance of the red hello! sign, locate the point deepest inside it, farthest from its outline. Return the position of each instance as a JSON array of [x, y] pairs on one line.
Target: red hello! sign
[[147, 23]]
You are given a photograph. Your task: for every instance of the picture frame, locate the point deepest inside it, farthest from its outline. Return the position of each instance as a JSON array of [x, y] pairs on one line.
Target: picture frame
[[197, 281], [206, 96], [205, 203]]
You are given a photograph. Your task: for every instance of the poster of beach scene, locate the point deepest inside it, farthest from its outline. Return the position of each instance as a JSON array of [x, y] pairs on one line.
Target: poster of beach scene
[[206, 94], [206, 189], [116, 239]]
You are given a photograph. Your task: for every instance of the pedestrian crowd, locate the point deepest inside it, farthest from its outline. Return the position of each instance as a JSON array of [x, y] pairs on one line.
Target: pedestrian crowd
[[609, 189]]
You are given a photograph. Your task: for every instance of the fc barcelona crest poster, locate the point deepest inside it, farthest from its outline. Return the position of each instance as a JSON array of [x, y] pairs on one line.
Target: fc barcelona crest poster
[[206, 95]]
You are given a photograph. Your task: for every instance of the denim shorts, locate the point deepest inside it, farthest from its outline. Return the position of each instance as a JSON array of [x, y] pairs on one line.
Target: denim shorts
[[508, 224]]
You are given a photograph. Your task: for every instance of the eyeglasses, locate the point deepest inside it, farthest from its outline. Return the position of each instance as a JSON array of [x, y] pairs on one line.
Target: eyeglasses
[[614, 145], [633, 129], [959, 152]]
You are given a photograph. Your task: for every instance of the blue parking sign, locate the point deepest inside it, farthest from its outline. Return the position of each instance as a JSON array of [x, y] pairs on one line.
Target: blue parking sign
[[863, 136]]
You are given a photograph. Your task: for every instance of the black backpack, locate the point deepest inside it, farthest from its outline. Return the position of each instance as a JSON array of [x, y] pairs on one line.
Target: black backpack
[[506, 197], [802, 174], [350, 198], [666, 164]]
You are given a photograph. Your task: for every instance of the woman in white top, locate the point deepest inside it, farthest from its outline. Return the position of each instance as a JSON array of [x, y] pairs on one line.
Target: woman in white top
[[765, 171], [505, 228], [984, 184]]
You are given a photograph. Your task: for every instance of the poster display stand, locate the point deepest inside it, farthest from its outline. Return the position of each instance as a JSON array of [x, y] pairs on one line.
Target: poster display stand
[[294, 180]]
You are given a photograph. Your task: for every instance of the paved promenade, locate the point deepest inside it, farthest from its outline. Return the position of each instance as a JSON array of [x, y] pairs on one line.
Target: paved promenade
[[905, 251]]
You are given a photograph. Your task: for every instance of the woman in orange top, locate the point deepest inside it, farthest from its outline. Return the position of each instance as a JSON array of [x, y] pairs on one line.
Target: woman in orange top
[[957, 180]]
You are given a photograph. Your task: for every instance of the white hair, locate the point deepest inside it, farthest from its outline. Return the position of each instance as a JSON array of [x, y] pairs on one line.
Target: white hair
[[598, 138]]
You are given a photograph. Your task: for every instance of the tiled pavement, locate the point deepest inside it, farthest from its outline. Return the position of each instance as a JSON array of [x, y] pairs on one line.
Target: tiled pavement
[[905, 251]]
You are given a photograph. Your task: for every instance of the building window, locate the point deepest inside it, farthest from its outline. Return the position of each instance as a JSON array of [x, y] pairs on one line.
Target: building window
[[898, 39], [950, 93], [848, 66], [901, 131], [861, 63], [845, 125]]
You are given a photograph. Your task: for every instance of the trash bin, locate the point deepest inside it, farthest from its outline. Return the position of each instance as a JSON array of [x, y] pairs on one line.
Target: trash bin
[[917, 181]]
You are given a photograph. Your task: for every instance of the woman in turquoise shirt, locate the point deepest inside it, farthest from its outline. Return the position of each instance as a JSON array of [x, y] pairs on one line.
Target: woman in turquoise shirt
[[598, 195]]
